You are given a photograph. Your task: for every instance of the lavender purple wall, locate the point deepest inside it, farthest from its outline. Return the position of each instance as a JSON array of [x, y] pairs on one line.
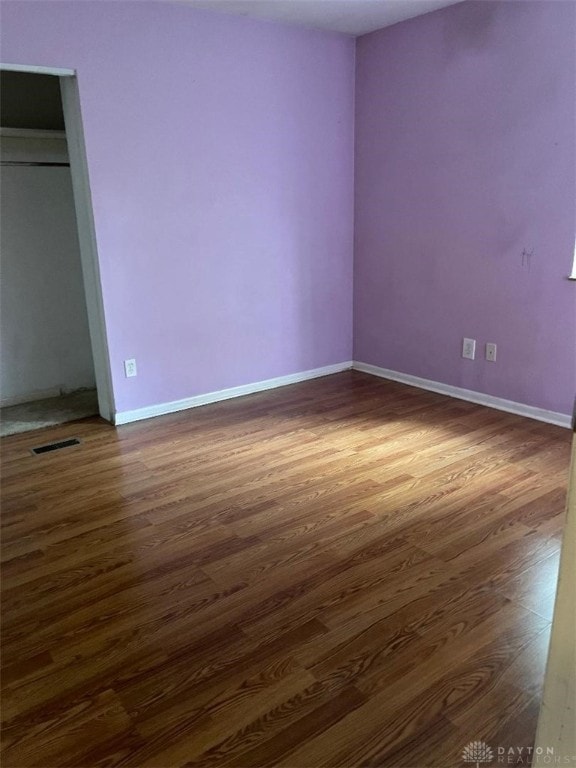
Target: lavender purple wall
[[220, 159], [220, 154], [465, 159]]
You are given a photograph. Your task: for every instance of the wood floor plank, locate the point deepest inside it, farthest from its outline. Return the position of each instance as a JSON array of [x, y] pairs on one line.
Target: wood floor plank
[[70, 735], [344, 572]]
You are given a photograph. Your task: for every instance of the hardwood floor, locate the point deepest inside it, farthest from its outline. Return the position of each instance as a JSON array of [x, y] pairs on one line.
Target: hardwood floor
[[345, 572]]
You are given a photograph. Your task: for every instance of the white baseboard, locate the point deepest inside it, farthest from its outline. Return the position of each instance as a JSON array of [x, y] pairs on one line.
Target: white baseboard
[[540, 414], [126, 417], [40, 394]]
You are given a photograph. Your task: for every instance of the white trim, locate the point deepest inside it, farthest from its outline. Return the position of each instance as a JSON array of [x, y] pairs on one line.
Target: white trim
[[40, 394], [38, 70], [520, 409], [572, 275], [126, 417], [556, 727], [31, 133], [87, 242]]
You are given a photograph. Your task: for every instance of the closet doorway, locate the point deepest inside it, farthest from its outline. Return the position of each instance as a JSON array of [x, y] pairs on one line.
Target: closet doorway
[[54, 364]]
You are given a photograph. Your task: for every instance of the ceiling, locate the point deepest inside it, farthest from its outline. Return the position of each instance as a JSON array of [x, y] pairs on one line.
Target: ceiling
[[353, 17]]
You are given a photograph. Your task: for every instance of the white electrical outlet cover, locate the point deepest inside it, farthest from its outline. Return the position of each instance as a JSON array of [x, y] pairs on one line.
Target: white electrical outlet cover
[[130, 368], [469, 348]]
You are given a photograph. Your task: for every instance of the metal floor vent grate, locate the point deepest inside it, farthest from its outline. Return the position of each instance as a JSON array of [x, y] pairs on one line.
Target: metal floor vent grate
[[56, 446]]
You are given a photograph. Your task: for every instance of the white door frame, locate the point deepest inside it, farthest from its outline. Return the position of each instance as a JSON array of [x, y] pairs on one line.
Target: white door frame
[[86, 230]]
